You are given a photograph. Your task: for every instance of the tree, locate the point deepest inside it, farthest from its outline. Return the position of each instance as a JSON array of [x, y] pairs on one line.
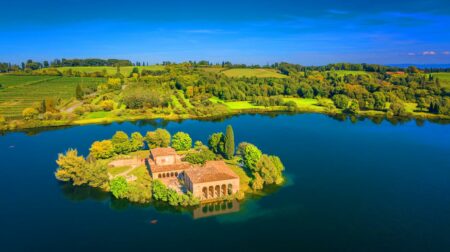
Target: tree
[[270, 172], [71, 167], [30, 113], [137, 141], [2, 119], [354, 107], [216, 143], [229, 143], [102, 149], [250, 155], [181, 141], [257, 182], [158, 138], [341, 101], [119, 187], [202, 155], [380, 100], [121, 143], [97, 174], [107, 105], [159, 191], [79, 92], [398, 108]]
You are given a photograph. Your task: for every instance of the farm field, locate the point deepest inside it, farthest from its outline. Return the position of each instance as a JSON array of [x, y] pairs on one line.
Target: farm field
[[444, 78], [347, 72], [248, 72], [20, 92], [125, 70]]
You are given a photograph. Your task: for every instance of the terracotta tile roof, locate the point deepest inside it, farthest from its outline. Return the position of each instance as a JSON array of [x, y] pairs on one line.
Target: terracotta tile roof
[[211, 171], [157, 152], [165, 168]]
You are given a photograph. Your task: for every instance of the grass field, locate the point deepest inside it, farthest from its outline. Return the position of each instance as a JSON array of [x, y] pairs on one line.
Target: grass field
[[444, 79], [19, 92], [258, 72], [125, 70], [235, 105], [347, 72]]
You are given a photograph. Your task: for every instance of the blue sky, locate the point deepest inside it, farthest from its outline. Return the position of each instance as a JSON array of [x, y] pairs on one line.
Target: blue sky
[[306, 32]]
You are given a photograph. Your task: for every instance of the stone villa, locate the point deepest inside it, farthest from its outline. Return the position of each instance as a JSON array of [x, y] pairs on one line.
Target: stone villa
[[208, 182]]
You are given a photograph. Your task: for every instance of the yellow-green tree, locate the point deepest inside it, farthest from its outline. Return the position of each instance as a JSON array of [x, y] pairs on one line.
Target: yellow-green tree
[[102, 149]]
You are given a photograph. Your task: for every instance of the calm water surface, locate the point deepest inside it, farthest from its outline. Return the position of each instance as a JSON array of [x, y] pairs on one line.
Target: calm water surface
[[352, 187]]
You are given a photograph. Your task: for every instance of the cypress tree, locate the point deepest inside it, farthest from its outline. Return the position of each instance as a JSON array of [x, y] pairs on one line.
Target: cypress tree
[[79, 92], [229, 143]]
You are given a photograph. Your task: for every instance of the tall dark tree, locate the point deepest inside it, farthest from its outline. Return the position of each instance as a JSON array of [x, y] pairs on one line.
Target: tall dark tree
[[79, 92], [229, 143]]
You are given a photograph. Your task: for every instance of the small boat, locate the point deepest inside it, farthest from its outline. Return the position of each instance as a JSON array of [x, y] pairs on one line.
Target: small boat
[[154, 221]]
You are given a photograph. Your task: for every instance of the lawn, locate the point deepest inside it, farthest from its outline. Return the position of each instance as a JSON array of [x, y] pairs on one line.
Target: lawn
[[125, 70], [306, 104], [235, 105], [19, 92], [244, 177], [257, 72]]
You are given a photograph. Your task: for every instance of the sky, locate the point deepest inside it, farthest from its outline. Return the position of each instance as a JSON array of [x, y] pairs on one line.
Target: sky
[[313, 32]]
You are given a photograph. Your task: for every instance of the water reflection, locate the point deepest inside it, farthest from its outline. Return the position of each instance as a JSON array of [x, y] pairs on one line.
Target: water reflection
[[216, 208]]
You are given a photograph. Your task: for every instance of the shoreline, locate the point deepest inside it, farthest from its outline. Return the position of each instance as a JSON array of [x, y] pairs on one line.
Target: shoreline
[[24, 126]]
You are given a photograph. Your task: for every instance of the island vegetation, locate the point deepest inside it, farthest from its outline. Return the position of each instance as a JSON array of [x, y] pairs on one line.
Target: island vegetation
[[131, 179], [74, 92]]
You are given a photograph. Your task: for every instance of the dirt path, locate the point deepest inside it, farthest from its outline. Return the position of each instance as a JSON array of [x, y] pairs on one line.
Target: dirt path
[[73, 107]]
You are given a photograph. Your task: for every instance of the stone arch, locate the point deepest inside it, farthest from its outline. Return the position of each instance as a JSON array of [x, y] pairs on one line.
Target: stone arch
[[205, 192], [224, 190], [164, 175], [217, 191], [159, 175], [230, 189], [176, 174], [211, 192]]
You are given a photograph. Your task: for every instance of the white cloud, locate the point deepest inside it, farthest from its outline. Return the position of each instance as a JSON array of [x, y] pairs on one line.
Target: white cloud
[[429, 53], [411, 54], [446, 53]]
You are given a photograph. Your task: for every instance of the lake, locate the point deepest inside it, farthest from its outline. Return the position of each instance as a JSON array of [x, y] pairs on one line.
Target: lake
[[352, 186]]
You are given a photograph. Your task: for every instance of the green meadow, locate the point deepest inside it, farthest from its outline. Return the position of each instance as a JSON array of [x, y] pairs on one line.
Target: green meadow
[[250, 72], [20, 92]]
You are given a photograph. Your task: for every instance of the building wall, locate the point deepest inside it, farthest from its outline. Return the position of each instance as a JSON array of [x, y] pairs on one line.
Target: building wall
[[231, 186]]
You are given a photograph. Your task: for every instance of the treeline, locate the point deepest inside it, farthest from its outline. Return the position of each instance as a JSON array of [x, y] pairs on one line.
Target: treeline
[[35, 65]]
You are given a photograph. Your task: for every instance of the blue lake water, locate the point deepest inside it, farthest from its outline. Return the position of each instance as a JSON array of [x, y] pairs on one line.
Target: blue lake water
[[351, 187]]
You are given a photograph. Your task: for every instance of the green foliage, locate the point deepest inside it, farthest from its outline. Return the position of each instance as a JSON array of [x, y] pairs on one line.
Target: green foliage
[[121, 143], [398, 108], [269, 171], [102, 149], [119, 187], [158, 138], [30, 113], [341, 101], [162, 193], [200, 156], [250, 155], [181, 141], [137, 141], [216, 143], [257, 182], [229, 143], [76, 169], [79, 92]]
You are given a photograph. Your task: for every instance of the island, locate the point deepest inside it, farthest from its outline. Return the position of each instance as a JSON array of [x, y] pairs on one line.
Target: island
[[161, 167]]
